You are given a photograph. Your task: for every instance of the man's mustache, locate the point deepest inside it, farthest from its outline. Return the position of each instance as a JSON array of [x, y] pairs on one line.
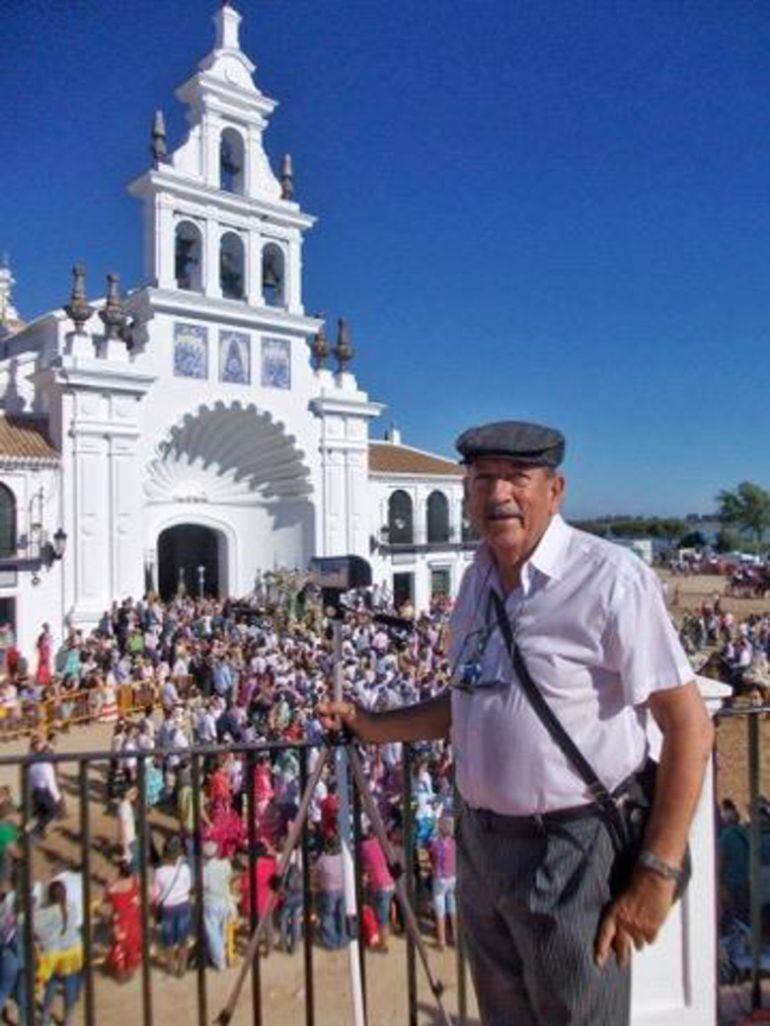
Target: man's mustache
[[503, 511]]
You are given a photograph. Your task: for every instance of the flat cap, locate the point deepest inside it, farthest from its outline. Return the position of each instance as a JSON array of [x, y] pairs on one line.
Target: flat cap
[[533, 444]]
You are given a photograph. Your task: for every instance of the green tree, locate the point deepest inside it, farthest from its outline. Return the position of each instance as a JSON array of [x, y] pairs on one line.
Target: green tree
[[747, 508], [692, 540], [727, 541]]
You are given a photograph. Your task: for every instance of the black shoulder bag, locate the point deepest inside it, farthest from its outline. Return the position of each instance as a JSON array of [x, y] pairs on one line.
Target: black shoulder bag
[[626, 813]]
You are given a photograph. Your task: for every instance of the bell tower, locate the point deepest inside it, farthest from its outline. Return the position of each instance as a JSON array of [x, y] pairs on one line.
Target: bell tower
[[219, 222]]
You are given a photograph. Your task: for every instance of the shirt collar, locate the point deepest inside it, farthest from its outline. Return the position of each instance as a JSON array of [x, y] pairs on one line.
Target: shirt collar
[[550, 555]]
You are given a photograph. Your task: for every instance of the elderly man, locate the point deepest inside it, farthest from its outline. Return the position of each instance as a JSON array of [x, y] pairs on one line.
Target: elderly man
[[547, 941]]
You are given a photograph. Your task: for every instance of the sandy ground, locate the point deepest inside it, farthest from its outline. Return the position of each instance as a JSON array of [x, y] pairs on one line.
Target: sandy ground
[[732, 747], [282, 976]]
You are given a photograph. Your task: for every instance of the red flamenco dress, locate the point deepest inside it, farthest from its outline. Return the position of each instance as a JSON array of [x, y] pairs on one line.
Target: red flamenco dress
[[227, 828], [125, 952]]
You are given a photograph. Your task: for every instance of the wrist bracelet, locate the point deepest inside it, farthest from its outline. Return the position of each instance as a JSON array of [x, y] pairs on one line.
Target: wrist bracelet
[[651, 861]]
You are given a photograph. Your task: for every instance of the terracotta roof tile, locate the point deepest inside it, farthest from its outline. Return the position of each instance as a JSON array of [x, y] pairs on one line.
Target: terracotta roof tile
[[387, 458], [25, 438]]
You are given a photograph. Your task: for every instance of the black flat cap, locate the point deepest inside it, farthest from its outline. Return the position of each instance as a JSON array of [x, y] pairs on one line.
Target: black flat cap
[[533, 444]]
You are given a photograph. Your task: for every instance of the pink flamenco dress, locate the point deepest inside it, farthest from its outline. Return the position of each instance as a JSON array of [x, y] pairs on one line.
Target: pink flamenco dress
[[44, 652]]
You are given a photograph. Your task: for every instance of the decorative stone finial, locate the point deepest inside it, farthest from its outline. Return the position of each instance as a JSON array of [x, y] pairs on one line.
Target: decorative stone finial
[[158, 147], [78, 309], [343, 351], [287, 177], [113, 315], [227, 21], [319, 349]]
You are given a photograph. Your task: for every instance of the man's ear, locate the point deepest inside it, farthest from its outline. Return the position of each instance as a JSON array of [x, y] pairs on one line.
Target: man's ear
[[558, 485]]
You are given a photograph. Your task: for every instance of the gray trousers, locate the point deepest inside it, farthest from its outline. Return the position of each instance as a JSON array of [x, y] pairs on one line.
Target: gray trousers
[[529, 911]]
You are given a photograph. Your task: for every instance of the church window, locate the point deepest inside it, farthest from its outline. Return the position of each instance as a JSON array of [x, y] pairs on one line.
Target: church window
[[231, 161], [440, 582], [234, 359], [438, 517], [231, 266], [273, 276], [7, 522], [187, 257], [400, 519]]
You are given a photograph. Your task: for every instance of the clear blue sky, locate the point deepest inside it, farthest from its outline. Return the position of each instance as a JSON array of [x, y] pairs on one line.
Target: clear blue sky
[[552, 211]]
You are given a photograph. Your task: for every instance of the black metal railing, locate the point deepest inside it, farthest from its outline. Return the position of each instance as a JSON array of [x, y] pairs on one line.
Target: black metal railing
[[89, 784], [741, 965]]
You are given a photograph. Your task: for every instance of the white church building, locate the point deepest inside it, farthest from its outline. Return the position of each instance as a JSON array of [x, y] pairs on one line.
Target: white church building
[[201, 429]]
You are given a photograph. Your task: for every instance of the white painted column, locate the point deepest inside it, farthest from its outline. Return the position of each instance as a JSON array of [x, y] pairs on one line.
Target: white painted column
[[211, 128], [127, 565], [254, 269], [164, 243], [356, 489], [673, 981], [293, 270], [336, 527], [211, 236], [92, 542]]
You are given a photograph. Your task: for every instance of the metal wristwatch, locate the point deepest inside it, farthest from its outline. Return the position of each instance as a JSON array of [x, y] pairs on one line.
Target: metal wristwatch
[[650, 861]]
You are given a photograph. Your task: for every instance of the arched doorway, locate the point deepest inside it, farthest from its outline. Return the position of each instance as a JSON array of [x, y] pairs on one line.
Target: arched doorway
[[193, 555]]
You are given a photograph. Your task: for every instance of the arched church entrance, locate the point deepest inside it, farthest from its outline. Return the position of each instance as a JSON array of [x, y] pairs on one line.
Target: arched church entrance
[[192, 557]]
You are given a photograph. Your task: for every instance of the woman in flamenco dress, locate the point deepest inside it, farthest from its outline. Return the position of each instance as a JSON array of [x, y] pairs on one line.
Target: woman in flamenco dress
[[227, 828], [122, 899]]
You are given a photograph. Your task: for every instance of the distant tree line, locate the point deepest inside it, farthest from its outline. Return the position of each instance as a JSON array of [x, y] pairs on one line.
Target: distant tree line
[[666, 528], [743, 513]]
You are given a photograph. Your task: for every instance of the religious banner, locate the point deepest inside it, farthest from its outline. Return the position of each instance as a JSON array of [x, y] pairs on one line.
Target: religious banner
[[191, 354], [276, 363], [234, 358]]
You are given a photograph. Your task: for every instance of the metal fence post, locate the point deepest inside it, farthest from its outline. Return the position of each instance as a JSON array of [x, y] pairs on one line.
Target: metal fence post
[[251, 868], [755, 862], [200, 934], [144, 882], [85, 869], [359, 883], [409, 852], [307, 935], [26, 899]]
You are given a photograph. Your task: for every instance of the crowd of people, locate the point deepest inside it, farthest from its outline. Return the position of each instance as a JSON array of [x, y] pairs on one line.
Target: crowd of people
[[733, 649], [210, 672], [233, 674]]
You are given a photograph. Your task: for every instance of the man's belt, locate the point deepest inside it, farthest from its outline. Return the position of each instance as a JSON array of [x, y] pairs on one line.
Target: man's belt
[[536, 824]]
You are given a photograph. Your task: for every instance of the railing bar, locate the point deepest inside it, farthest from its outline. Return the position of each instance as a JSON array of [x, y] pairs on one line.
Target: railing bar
[[144, 887], [266, 747], [200, 933], [461, 969], [307, 937], [411, 967], [251, 812], [26, 869], [755, 867], [359, 883], [85, 842]]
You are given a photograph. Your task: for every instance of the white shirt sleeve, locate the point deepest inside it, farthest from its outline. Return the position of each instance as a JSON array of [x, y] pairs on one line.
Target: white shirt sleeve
[[640, 641], [50, 781]]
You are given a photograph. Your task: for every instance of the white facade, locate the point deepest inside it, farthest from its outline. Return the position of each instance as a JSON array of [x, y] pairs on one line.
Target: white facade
[[205, 410]]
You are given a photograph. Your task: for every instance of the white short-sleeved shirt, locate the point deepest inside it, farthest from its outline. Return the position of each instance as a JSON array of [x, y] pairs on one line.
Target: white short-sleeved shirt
[[590, 621]]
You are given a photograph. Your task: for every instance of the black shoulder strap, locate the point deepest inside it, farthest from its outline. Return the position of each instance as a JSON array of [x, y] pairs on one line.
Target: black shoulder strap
[[559, 735]]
